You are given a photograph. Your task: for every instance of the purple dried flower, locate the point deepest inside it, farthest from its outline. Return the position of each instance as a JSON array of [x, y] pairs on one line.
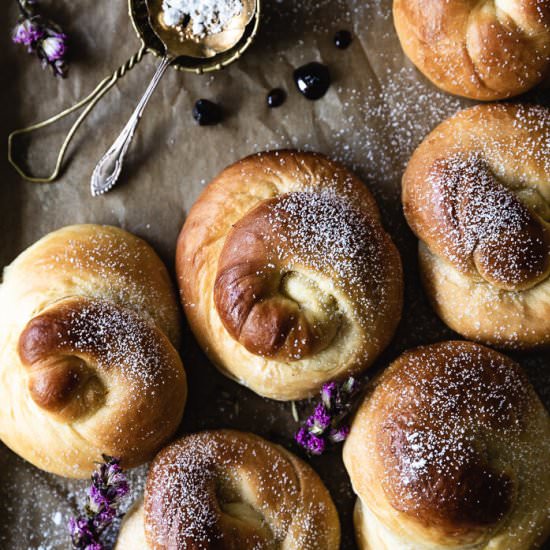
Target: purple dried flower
[[328, 392], [323, 426], [320, 420], [81, 533], [339, 434], [28, 32], [310, 442], [115, 479], [108, 486], [103, 519], [54, 47], [316, 445], [302, 437], [42, 37], [96, 499]]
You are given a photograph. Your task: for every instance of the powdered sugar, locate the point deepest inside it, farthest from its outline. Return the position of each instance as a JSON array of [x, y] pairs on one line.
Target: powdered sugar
[[323, 231], [207, 16], [120, 269], [377, 111], [460, 429], [204, 483], [118, 339], [483, 216]]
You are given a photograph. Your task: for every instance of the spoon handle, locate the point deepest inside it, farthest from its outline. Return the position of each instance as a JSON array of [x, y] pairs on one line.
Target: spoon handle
[[108, 169]]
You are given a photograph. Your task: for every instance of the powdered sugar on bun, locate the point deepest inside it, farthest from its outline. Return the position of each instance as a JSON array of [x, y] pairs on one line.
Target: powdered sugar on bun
[[449, 448], [475, 193], [287, 275], [234, 490], [88, 324]]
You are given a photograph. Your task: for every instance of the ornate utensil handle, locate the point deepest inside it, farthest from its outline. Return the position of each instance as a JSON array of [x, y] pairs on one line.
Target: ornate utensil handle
[[108, 169], [90, 101]]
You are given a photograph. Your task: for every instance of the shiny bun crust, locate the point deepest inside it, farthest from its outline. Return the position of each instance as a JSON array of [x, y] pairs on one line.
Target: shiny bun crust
[[287, 276], [88, 325], [450, 450], [476, 194], [484, 50], [231, 490]]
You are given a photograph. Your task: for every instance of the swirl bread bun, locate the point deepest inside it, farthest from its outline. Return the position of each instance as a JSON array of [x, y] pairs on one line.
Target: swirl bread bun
[[88, 325], [484, 50], [476, 194], [230, 490], [287, 276], [450, 450]]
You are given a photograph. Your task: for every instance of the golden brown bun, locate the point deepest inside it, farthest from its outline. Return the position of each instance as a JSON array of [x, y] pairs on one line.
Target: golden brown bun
[[450, 450], [88, 325], [287, 276], [231, 491], [484, 50], [476, 194]]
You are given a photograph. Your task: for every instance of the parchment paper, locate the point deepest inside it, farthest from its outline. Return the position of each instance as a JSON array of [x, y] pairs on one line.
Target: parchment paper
[[376, 112]]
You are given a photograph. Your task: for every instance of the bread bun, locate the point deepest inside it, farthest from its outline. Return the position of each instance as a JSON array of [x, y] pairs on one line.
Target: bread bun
[[231, 490], [475, 193], [450, 450], [287, 276], [88, 325], [484, 50]]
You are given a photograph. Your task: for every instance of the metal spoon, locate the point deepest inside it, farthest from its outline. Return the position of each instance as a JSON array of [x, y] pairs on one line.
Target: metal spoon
[[177, 43]]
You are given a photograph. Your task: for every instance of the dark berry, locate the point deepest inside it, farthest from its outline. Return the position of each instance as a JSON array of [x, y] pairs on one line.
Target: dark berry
[[207, 113], [276, 97], [342, 39], [313, 80]]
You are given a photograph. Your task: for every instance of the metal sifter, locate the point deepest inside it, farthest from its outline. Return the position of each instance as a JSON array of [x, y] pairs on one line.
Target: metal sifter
[[176, 48]]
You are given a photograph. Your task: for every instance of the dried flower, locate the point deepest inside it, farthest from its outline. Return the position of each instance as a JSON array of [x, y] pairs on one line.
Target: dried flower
[[339, 434], [81, 533], [314, 444], [41, 36], [109, 486], [55, 47], [328, 392], [28, 32], [320, 420], [324, 427]]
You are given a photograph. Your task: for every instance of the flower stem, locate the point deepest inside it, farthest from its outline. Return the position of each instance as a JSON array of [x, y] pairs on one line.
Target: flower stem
[[23, 8]]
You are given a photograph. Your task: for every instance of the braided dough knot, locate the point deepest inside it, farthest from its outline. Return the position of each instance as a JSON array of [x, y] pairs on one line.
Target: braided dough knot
[[88, 365], [476, 193], [231, 490], [287, 276], [486, 50]]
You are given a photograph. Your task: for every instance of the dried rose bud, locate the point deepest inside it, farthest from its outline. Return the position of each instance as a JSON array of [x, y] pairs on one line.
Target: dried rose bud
[[42, 37], [28, 32], [54, 47], [52, 51]]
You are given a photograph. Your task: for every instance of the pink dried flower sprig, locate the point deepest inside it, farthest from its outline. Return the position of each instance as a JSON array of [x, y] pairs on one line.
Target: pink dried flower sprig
[[109, 486], [325, 426], [42, 37]]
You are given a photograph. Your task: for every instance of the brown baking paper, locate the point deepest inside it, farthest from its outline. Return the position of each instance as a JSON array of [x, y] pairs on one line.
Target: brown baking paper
[[376, 112]]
